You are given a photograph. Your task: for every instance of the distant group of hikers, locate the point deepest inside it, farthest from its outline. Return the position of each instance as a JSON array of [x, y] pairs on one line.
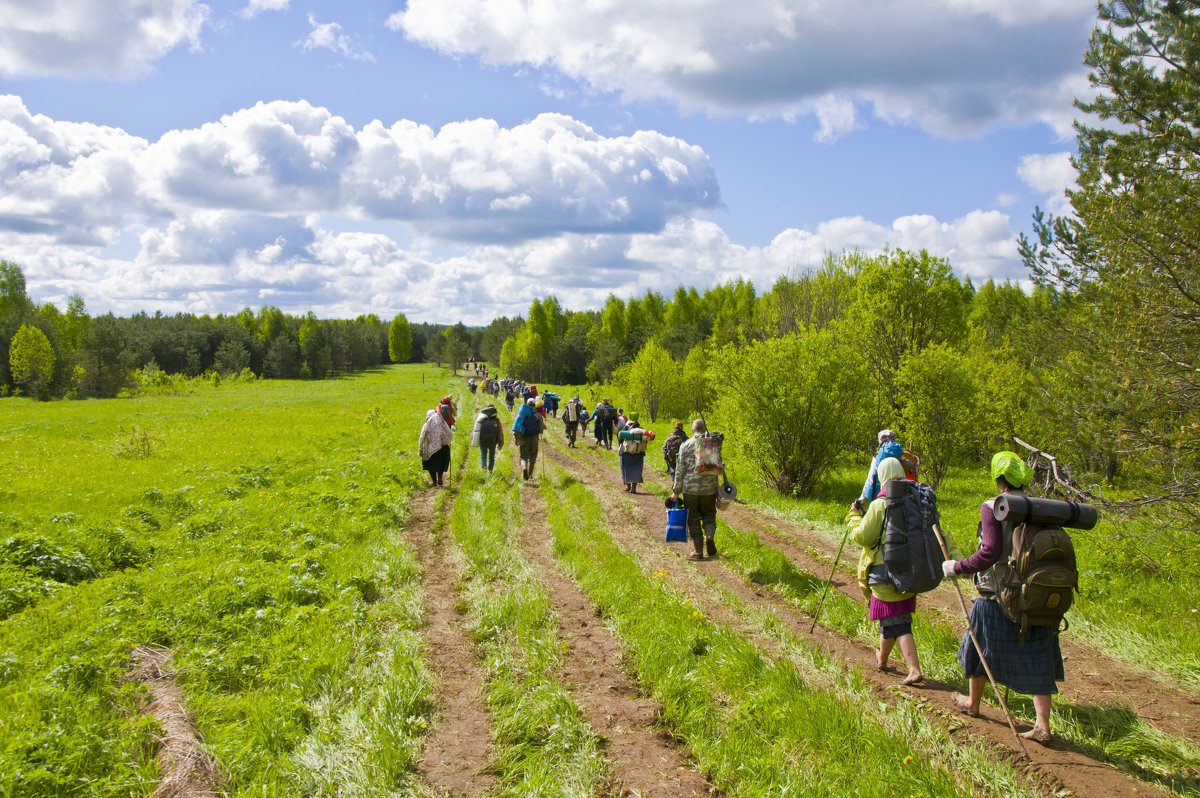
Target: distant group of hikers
[[1014, 620]]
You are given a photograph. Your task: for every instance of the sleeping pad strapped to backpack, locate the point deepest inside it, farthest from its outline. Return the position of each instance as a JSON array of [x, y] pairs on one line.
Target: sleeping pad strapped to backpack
[[911, 550]]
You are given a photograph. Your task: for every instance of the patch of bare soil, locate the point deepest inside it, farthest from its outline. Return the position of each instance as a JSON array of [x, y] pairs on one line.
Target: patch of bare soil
[[644, 761], [458, 746], [1056, 767], [189, 771]]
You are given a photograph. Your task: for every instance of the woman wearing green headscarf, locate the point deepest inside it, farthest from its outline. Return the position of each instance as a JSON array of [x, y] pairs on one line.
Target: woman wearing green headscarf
[[1031, 667], [632, 452]]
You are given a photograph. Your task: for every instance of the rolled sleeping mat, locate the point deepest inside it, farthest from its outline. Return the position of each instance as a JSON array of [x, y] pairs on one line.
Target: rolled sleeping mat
[[1018, 508]]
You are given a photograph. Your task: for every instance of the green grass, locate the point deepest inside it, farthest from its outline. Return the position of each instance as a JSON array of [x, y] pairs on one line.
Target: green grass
[[754, 724], [543, 746], [259, 540]]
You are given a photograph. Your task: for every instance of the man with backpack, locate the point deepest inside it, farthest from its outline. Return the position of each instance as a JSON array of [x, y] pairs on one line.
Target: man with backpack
[[1023, 657], [488, 435], [527, 428], [606, 422], [670, 448], [572, 412], [698, 489]]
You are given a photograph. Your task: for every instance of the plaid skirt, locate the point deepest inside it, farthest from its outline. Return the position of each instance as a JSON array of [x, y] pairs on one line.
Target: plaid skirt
[[631, 467], [1031, 669]]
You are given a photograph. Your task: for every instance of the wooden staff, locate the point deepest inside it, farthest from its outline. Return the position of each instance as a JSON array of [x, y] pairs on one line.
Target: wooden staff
[[978, 648], [829, 581]]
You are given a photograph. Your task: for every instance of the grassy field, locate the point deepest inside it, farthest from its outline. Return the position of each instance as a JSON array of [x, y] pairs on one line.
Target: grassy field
[[259, 534]]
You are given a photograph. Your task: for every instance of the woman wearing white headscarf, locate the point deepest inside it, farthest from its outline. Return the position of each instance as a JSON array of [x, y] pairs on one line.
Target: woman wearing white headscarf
[[434, 446]]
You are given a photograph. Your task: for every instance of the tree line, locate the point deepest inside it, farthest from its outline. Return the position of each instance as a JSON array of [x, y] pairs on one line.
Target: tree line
[[49, 353]]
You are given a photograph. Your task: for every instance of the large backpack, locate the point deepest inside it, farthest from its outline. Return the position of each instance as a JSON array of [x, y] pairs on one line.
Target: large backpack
[[635, 445], [911, 550], [531, 424], [671, 452], [489, 430], [708, 453], [1037, 588], [573, 411]]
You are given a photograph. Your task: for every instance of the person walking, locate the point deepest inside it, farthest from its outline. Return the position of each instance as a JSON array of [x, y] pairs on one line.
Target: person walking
[[888, 447], [632, 452], [434, 446], [529, 426], [572, 412], [886, 604], [670, 448], [488, 435], [1030, 665], [699, 494]]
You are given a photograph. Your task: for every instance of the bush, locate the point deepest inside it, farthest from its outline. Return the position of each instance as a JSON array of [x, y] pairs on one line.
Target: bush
[[790, 405]]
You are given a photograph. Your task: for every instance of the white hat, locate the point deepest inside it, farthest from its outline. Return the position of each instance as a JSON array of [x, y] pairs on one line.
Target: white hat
[[886, 435]]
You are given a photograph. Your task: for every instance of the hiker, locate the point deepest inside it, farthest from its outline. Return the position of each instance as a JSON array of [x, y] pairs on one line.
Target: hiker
[[606, 419], [670, 448], [434, 446], [622, 419], [446, 409], [573, 414], [471, 385], [510, 396], [633, 452], [887, 605], [488, 435], [699, 494], [527, 428], [1031, 665], [888, 447]]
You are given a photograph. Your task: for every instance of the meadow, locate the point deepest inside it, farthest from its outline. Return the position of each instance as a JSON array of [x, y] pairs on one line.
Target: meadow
[[278, 543]]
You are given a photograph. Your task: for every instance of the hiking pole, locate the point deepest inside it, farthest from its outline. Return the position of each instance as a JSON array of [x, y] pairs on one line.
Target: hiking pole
[[978, 648], [829, 581]]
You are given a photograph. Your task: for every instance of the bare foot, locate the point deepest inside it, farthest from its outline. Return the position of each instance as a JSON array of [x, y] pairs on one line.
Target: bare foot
[[964, 705], [883, 665], [1038, 735], [913, 678]]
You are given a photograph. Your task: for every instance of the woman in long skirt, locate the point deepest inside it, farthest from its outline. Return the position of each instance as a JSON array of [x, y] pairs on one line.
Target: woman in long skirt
[[632, 453], [434, 446]]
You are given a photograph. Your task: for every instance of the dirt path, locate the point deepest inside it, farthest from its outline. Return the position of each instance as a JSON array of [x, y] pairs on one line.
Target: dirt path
[[644, 760], [1055, 768], [189, 771], [458, 747]]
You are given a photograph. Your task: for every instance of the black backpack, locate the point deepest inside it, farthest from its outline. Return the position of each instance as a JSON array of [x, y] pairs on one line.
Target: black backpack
[[489, 430], [911, 550]]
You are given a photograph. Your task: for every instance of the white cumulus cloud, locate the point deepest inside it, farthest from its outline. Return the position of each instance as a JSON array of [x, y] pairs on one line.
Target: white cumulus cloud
[[329, 36], [109, 38]]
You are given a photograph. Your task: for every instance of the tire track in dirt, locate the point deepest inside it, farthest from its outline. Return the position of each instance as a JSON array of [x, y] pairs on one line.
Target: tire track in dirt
[[644, 761], [458, 747], [1058, 767], [189, 770]]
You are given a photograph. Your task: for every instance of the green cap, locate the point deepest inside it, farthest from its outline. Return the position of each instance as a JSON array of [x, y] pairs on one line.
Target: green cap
[[1012, 468]]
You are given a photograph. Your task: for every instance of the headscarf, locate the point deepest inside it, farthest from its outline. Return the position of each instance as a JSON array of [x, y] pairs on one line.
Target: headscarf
[[1012, 468], [890, 468]]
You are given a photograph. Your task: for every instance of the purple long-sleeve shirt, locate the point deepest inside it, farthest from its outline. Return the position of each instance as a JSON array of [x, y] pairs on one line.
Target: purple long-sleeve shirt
[[991, 544]]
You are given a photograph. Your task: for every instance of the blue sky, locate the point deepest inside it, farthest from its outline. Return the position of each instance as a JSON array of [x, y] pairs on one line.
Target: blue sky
[[454, 159]]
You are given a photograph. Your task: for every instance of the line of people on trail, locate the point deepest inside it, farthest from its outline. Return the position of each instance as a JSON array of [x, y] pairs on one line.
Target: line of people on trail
[[895, 522]]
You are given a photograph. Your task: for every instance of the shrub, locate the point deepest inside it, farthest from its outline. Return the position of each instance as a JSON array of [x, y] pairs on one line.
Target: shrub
[[790, 405]]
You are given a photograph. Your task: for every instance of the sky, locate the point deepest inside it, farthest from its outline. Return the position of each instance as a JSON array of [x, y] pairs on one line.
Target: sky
[[452, 160]]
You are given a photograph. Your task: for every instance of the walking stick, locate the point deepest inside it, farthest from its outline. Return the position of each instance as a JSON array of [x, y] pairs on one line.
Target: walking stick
[[978, 648], [829, 581]]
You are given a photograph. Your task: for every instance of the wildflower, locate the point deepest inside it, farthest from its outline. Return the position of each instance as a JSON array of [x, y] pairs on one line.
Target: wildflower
[[908, 759]]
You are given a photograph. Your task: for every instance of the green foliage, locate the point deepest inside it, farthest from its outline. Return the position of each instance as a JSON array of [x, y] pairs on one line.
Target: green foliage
[[399, 339], [31, 361], [790, 404], [653, 381], [903, 302]]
